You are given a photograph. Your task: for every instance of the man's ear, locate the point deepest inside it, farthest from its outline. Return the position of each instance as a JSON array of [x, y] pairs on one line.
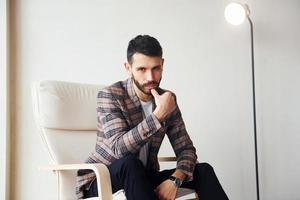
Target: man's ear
[[128, 69]]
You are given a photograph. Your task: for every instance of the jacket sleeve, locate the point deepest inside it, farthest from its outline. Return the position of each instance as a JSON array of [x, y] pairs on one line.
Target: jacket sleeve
[[122, 139], [181, 143]]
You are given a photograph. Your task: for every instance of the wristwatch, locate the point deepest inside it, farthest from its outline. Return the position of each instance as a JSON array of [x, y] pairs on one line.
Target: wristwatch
[[176, 181]]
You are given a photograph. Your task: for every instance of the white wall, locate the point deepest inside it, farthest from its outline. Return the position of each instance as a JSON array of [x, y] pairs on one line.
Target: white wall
[[278, 50], [207, 65]]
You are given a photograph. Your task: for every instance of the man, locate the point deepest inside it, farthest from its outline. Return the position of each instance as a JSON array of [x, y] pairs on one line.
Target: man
[[133, 117]]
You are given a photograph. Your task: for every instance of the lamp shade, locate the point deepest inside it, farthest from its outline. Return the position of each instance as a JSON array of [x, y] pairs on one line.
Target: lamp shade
[[235, 13]]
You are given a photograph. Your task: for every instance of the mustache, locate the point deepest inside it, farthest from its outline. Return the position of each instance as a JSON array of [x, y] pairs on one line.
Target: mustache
[[150, 83]]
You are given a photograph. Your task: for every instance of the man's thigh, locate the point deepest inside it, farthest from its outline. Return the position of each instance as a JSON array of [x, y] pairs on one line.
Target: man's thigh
[[122, 167]]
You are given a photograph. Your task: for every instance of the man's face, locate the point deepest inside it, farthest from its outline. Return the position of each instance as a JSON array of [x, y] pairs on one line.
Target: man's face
[[146, 72]]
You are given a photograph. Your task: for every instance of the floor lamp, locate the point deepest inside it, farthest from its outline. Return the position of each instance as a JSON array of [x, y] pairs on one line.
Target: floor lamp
[[235, 14]]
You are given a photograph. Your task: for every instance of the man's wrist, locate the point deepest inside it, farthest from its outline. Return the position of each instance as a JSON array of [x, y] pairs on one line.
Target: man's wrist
[[158, 116], [179, 174]]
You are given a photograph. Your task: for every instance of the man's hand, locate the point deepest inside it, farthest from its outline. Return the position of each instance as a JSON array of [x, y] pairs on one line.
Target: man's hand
[[165, 104], [166, 190]]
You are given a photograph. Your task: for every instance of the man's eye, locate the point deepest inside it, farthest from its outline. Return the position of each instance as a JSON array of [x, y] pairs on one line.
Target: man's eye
[[157, 68], [142, 69]]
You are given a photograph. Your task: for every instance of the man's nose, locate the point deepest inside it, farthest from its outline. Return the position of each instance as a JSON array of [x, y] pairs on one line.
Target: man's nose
[[149, 75]]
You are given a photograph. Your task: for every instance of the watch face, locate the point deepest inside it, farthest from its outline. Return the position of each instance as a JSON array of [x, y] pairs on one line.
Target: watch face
[[178, 182]]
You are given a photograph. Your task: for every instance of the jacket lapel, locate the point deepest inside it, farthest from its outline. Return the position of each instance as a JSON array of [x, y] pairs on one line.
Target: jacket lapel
[[134, 107]]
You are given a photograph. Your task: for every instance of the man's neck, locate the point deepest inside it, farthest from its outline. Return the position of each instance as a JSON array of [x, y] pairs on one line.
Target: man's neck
[[141, 95]]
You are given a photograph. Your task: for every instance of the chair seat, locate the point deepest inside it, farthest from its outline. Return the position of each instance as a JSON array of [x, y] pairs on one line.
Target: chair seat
[[182, 194], [185, 193], [119, 195]]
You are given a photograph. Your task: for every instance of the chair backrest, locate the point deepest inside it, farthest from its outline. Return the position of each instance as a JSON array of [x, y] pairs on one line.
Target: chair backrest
[[66, 117]]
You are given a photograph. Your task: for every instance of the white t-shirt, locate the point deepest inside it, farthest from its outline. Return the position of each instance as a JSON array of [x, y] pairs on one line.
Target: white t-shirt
[[144, 151]]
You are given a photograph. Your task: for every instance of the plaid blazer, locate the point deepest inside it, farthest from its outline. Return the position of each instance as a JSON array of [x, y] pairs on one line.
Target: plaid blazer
[[122, 130]]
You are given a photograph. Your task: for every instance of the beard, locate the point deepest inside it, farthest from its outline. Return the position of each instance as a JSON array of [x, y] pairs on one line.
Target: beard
[[142, 87]]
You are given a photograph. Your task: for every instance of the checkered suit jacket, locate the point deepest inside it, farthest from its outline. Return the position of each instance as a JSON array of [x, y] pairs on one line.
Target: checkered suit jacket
[[122, 130]]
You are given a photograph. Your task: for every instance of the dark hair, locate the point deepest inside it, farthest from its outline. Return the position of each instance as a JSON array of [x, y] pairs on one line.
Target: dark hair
[[143, 44]]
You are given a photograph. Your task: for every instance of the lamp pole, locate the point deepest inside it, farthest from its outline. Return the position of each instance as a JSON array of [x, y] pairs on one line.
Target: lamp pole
[[254, 106], [235, 14]]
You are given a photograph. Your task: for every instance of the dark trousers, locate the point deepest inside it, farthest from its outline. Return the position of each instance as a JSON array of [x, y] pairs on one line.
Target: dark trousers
[[128, 173]]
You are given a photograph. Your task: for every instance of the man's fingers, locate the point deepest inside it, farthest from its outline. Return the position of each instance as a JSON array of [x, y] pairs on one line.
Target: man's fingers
[[154, 93]]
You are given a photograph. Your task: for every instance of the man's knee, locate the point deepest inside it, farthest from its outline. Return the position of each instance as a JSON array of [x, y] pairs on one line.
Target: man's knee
[[203, 168]]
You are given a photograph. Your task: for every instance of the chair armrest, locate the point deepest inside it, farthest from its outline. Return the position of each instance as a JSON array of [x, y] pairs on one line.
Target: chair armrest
[[167, 159], [101, 171]]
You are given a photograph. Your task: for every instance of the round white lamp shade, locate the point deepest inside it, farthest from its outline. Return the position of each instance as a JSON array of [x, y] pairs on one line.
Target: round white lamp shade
[[235, 13]]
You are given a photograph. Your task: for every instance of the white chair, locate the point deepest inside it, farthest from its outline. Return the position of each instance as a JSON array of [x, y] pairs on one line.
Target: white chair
[[65, 114]]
